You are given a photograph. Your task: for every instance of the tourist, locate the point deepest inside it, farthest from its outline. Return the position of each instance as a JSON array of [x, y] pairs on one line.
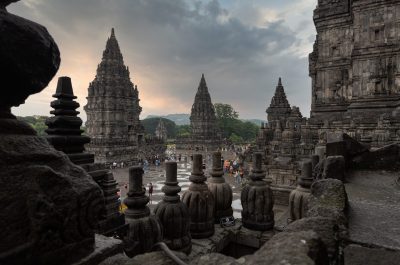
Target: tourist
[[237, 177], [114, 165], [122, 164], [150, 192]]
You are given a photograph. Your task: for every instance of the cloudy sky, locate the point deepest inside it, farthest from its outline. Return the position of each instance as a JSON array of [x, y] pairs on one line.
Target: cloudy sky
[[242, 47]]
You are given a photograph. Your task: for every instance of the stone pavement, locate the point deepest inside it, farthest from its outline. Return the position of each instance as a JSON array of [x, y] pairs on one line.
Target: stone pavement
[[374, 209]]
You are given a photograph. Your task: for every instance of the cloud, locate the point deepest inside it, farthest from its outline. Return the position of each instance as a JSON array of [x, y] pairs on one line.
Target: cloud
[[241, 46]]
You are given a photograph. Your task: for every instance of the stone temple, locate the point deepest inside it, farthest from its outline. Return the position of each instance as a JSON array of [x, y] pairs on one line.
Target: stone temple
[[203, 122], [113, 110]]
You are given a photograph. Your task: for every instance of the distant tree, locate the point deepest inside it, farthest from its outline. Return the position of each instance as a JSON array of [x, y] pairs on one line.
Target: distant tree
[[183, 130], [37, 122], [225, 111], [232, 128], [150, 126]]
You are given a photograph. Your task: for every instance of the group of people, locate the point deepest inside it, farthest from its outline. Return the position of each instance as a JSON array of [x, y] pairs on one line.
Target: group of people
[[234, 169], [115, 165]]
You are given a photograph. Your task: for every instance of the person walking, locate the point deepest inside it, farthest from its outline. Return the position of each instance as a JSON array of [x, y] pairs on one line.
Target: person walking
[[237, 177], [151, 192]]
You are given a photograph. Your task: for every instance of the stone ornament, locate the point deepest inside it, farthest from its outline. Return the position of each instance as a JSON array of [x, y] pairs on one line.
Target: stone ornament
[[64, 128], [257, 199], [200, 202], [174, 214], [221, 190], [298, 198], [144, 229]]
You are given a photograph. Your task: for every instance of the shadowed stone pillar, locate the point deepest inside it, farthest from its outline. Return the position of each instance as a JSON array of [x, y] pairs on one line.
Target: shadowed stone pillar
[[221, 190], [65, 134], [49, 206], [199, 201], [144, 229], [64, 128], [298, 198], [174, 214], [257, 199]]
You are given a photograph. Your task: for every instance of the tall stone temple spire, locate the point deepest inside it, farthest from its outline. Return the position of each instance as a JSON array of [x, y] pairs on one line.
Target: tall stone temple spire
[[113, 109], [203, 121], [279, 109]]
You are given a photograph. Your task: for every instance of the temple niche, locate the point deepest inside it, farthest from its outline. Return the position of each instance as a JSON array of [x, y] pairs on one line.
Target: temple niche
[[113, 110]]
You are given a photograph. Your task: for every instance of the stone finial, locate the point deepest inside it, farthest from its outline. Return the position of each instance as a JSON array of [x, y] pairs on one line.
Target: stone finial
[[64, 131], [298, 198], [257, 199], [144, 229], [200, 202], [221, 190], [173, 214]]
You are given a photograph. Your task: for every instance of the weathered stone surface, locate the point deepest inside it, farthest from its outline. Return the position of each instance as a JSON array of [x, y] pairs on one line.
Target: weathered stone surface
[[29, 58], [334, 168], [118, 259], [298, 198], [374, 210], [214, 258], [174, 214], [328, 199], [326, 228], [200, 202], [257, 199], [144, 229], [104, 247], [50, 206], [358, 255], [155, 258], [113, 110], [300, 248], [386, 157], [221, 190]]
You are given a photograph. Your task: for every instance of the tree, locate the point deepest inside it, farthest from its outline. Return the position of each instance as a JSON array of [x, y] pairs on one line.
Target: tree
[[150, 126], [232, 128], [225, 111]]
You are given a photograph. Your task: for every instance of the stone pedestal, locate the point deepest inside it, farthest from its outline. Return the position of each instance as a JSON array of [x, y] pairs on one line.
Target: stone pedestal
[[257, 199], [173, 214], [144, 229], [221, 190], [298, 199], [200, 202]]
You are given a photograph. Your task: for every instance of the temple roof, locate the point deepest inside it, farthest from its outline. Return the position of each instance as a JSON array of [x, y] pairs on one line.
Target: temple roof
[[279, 103], [202, 101]]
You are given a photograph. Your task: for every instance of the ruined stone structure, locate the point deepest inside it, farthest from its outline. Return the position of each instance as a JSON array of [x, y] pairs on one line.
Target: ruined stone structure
[[221, 190], [65, 134], [298, 199], [257, 199], [144, 229], [174, 214], [113, 110], [161, 131], [203, 122], [200, 202], [354, 69], [49, 206]]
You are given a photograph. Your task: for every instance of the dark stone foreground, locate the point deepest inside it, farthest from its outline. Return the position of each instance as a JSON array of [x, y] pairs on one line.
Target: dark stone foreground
[[374, 212]]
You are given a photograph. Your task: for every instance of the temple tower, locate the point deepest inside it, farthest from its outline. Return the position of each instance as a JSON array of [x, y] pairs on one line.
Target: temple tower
[[279, 109], [113, 109], [203, 121]]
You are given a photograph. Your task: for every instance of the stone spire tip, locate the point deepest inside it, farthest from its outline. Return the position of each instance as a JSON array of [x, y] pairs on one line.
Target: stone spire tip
[[280, 82], [112, 32]]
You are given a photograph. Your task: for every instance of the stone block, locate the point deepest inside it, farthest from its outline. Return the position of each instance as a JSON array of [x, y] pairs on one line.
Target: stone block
[[334, 167], [358, 255]]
